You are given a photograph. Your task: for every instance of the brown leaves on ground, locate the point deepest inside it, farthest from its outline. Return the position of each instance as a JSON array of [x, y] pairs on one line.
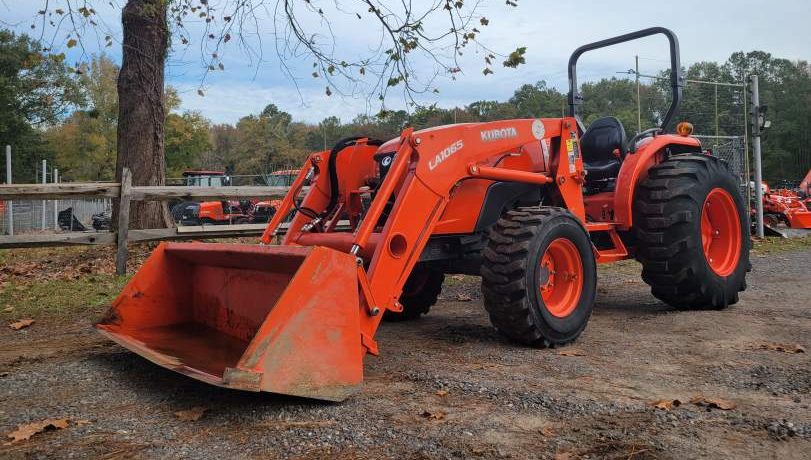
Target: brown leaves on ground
[[698, 400], [8, 309], [435, 415], [783, 347], [21, 324], [572, 352], [548, 432], [25, 431], [716, 403], [191, 415], [462, 297], [442, 392], [665, 404]]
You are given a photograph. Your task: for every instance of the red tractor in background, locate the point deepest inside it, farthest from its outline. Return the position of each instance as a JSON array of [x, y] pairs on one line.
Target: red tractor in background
[[225, 212], [783, 207], [212, 212]]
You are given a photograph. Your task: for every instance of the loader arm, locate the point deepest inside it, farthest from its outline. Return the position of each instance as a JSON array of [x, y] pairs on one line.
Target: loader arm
[[428, 166]]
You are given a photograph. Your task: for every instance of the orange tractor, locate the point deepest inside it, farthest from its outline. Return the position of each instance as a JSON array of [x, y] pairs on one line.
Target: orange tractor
[[531, 205], [784, 207]]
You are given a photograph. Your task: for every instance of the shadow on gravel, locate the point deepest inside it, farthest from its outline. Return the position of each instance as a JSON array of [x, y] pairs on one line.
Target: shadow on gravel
[[154, 384]]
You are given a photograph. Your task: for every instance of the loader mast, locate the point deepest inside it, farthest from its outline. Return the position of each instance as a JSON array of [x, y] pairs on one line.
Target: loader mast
[[426, 169]]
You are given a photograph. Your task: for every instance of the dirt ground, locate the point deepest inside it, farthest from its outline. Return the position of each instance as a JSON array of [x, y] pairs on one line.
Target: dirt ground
[[446, 386]]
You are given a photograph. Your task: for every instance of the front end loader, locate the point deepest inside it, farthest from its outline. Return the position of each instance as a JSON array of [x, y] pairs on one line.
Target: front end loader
[[531, 205]]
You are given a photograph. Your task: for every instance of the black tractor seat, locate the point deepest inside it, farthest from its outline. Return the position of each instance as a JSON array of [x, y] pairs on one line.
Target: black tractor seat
[[602, 139]]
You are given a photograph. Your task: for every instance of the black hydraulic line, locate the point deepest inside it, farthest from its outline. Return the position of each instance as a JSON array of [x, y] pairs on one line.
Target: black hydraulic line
[[333, 170]]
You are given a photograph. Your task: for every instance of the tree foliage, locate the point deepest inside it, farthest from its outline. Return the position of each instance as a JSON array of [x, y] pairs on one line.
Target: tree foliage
[[36, 91]]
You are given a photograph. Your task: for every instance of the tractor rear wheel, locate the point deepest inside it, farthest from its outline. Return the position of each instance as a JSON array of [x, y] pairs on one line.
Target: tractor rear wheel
[[539, 276], [419, 294], [692, 230]]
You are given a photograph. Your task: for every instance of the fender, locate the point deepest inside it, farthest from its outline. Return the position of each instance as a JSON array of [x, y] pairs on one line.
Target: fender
[[635, 167]]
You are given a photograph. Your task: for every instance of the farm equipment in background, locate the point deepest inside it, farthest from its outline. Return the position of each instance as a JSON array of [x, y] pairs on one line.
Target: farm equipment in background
[[531, 205], [784, 212], [805, 190], [263, 211], [226, 212], [204, 178]]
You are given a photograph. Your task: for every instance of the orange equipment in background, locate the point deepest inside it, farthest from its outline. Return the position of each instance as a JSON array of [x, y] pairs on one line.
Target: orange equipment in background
[[531, 205], [784, 206]]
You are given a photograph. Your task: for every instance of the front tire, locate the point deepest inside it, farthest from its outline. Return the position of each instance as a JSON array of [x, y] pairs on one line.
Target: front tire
[[420, 293], [539, 276], [692, 228]]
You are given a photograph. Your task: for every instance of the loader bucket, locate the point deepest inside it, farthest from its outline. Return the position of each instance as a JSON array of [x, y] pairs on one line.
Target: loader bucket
[[281, 319]]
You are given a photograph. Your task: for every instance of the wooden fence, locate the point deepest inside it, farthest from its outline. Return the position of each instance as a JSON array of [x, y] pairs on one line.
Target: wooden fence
[[126, 193]]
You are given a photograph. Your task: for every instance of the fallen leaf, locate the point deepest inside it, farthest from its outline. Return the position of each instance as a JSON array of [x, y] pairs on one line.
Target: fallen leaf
[[665, 404], [785, 348], [716, 403], [24, 432], [571, 352], [191, 415], [433, 415], [462, 297], [82, 422], [458, 277], [442, 392], [8, 309], [21, 324], [548, 431]]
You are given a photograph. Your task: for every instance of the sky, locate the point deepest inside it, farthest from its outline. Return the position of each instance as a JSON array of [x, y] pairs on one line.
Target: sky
[[708, 30]]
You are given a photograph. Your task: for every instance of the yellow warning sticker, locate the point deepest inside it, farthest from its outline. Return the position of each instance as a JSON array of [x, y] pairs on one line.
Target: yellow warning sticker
[[570, 154]]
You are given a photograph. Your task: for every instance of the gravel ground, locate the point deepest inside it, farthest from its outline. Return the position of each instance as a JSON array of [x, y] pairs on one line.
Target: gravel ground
[[448, 386]]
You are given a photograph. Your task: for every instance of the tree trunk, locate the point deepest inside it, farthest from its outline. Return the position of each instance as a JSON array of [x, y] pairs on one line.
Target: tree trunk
[[141, 106]]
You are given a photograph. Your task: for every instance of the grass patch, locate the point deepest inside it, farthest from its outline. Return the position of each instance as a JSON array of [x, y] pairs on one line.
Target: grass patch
[[777, 245], [60, 297]]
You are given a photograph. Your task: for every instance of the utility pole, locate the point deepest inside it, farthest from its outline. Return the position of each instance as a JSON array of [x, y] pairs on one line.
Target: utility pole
[[9, 203], [56, 202], [638, 99], [756, 127], [717, 131], [44, 181]]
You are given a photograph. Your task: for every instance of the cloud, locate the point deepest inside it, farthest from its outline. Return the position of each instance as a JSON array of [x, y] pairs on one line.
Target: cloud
[[708, 30]]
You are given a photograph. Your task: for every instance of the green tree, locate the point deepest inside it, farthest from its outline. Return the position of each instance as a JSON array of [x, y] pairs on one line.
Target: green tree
[[539, 101], [187, 141], [36, 90], [85, 142]]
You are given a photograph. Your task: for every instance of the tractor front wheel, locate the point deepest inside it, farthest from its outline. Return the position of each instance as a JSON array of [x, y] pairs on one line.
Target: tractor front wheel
[[539, 276], [419, 294], [692, 230]]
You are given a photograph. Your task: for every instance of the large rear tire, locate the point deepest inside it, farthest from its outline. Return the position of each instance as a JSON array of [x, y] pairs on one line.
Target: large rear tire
[[539, 276], [692, 230], [420, 293]]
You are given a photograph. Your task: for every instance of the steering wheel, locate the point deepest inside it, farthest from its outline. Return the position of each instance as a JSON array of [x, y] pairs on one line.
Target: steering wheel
[[639, 136]]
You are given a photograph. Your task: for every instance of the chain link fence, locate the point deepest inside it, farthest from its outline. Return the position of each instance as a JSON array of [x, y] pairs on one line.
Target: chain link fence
[[732, 149], [29, 216]]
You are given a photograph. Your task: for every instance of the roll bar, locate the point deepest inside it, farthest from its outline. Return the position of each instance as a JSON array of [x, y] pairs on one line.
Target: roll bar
[[676, 78]]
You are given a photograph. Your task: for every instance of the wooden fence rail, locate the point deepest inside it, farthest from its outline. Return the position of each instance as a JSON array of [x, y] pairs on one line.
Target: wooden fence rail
[[125, 193]]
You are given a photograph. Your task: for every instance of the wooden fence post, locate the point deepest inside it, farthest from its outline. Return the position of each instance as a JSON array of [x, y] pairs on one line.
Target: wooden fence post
[[123, 222]]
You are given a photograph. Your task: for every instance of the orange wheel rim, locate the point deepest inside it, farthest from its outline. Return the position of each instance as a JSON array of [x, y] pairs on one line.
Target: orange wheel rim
[[561, 277], [721, 232]]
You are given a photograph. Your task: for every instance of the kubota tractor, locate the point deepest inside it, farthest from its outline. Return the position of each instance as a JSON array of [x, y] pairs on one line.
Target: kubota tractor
[[532, 205]]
